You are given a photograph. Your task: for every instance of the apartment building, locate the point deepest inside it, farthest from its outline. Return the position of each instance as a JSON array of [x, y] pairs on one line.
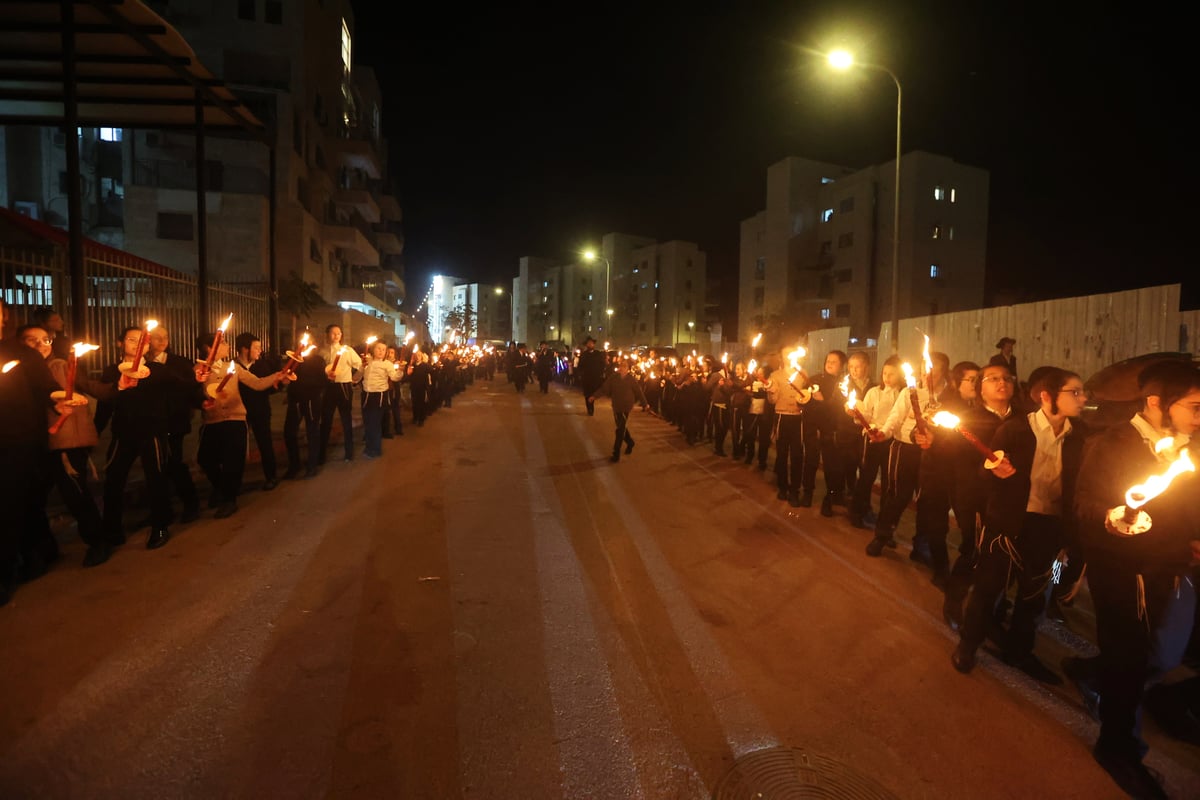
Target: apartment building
[[820, 254]]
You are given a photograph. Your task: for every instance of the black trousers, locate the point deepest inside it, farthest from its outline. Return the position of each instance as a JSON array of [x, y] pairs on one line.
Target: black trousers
[[720, 420], [873, 463], [23, 465], [222, 456], [589, 387], [67, 471], [306, 411], [903, 467], [260, 425], [1035, 548], [820, 448], [336, 400], [123, 451], [936, 480], [179, 474], [621, 420], [789, 451]]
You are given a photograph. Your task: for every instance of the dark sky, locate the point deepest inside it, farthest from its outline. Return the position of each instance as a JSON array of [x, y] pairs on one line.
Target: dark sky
[[519, 133]]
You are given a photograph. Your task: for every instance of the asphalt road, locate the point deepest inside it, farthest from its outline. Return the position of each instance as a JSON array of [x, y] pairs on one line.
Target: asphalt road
[[494, 610]]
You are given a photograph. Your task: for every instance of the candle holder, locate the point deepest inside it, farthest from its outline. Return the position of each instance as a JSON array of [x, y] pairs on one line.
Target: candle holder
[[1126, 521], [76, 400], [126, 369]]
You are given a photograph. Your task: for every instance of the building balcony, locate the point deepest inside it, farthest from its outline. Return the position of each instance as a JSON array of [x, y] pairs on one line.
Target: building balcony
[[390, 209], [356, 154], [389, 243], [363, 300], [359, 200], [352, 241]]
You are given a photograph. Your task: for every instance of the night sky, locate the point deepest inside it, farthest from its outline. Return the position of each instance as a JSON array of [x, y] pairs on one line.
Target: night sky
[[517, 133]]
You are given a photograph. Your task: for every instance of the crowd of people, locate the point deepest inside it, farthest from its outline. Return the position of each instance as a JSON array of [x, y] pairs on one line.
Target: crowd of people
[[1038, 496], [148, 399], [1044, 502]]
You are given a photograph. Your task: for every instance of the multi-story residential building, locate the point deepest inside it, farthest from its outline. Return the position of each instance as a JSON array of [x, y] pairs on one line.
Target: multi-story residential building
[[820, 254], [653, 291], [337, 220]]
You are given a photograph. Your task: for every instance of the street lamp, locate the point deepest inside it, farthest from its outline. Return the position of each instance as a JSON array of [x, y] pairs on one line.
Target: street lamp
[[843, 60], [590, 256]]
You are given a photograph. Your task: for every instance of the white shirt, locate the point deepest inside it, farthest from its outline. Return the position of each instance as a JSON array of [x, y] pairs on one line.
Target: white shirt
[[346, 365], [1151, 437], [1045, 476], [377, 374], [900, 420], [878, 403]]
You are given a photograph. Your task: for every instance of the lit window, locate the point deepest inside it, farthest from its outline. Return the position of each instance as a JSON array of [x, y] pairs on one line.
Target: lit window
[[826, 180], [545, 284], [950, 233], [110, 134], [937, 232], [827, 215], [346, 50], [934, 271], [824, 313], [939, 193], [953, 194], [589, 297]]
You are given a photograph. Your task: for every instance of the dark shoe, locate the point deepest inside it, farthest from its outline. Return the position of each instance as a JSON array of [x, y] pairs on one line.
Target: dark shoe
[[782, 494], [615, 457], [1171, 712], [806, 500], [1034, 668], [226, 510], [97, 554], [190, 514], [891, 542], [921, 555], [629, 448], [214, 499], [311, 472], [952, 613], [870, 517], [269, 484], [158, 537], [793, 499], [875, 547], [827, 506], [963, 659], [1128, 772]]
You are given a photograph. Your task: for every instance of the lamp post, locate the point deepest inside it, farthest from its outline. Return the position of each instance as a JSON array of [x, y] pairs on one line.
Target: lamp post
[[590, 256], [842, 60]]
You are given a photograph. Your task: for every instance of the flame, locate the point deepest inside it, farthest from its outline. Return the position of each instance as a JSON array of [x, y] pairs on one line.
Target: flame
[[925, 356], [757, 339], [752, 366], [1164, 444], [673, 362], [308, 351], [232, 368], [224, 325], [372, 340], [9, 366], [794, 358], [909, 378], [416, 348], [944, 419], [724, 357], [852, 400], [151, 324], [304, 340], [82, 349], [844, 386], [1143, 493], [408, 337], [606, 345]]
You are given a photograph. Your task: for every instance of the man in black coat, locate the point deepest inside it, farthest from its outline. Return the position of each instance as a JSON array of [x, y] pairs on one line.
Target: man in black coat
[[184, 396], [258, 403], [591, 367], [304, 397]]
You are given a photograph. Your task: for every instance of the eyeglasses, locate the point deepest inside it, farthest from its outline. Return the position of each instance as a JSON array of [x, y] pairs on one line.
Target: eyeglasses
[[37, 340], [1194, 408], [998, 378], [1076, 393]]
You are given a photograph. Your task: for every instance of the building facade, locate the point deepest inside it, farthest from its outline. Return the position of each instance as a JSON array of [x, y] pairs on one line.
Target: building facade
[[820, 254]]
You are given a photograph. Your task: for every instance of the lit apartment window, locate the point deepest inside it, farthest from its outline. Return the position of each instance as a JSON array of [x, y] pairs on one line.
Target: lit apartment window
[[953, 195], [827, 215], [950, 233], [934, 271], [110, 134], [939, 193], [545, 284], [589, 297], [824, 313], [936, 232], [346, 48]]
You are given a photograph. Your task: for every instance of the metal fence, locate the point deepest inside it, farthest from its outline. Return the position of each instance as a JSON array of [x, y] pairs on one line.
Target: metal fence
[[124, 290]]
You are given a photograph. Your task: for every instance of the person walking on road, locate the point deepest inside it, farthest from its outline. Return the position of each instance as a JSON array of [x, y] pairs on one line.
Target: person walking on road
[[590, 366], [624, 389]]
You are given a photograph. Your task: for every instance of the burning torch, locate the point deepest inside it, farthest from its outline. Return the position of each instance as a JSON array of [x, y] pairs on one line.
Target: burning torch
[[1129, 520]]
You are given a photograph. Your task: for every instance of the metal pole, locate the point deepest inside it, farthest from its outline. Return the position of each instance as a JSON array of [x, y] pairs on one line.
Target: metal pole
[[201, 221], [75, 272], [895, 332]]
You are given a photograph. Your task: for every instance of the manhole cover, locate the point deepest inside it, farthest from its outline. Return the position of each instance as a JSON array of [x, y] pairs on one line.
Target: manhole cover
[[780, 773]]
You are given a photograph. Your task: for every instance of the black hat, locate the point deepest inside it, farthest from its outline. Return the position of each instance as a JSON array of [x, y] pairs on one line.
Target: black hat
[[1004, 341]]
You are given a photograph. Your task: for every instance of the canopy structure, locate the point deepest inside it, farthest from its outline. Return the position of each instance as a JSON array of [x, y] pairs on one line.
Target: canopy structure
[[115, 63]]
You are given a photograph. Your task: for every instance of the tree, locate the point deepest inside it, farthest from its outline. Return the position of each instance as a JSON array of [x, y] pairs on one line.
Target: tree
[[461, 318], [298, 298]]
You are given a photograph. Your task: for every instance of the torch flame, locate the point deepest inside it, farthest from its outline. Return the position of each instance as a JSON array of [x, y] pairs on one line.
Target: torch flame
[[795, 356], [304, 340], [752, 366], [1143, 493], [372, 340], [944, 419], [1163, 444], [909, 378], [308, 351], [724, 357], [408, 337], [844, 386], [416, 348], [232, 368], [757, 339], [925, 356], [151, 324], [9, 366], [852, 400], [224, 325], [82, 349]]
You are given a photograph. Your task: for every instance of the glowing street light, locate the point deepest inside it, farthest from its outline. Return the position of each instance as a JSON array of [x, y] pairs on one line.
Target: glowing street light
[[844, 60], [590, 256]]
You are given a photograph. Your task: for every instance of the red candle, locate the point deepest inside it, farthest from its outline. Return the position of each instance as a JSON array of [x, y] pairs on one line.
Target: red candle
[[336, 357], [228, 374], [212, 353], [983, 449], [141, 345], [916, 409]]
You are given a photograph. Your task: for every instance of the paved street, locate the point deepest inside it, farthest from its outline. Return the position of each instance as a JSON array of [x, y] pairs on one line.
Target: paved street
[[494, 610]]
